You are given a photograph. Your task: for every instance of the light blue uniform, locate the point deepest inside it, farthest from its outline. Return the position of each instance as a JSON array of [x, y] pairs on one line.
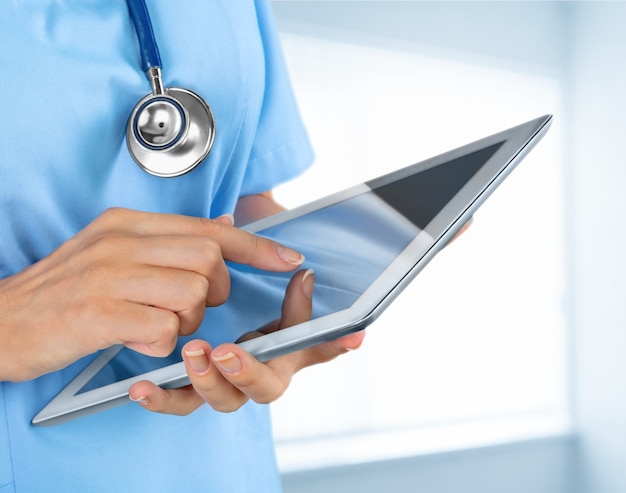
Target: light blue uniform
[[69, 77]]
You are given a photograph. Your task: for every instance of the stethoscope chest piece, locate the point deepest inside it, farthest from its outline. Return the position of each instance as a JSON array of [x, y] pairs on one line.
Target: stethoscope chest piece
[[171, 130], [169, 133]]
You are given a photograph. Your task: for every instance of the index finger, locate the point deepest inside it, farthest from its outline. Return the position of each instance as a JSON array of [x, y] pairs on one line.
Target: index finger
[[236, 244], [248, 248]]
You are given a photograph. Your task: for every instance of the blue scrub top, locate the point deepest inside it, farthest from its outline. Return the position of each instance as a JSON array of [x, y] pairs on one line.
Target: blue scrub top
[[70, 77]]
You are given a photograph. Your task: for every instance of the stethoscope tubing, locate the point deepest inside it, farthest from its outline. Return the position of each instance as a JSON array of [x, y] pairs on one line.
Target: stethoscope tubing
[[148, 48]]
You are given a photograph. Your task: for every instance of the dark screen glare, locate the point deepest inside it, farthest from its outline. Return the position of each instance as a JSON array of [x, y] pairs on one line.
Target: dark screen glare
[[421, 196]]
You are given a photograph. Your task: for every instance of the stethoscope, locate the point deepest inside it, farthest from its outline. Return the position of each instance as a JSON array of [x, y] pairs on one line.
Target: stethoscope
[[171, 130]]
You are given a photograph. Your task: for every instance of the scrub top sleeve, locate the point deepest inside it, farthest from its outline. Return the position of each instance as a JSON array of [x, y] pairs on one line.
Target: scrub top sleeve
[[281, 149]]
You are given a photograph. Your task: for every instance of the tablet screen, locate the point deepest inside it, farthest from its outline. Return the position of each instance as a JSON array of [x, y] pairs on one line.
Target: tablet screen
[[348, 243]]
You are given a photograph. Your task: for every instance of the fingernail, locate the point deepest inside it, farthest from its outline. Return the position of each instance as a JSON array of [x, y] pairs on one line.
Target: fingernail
[[197, 360], [290, 256], [307, 284], [229, 362], [227, 219], [141, 399]]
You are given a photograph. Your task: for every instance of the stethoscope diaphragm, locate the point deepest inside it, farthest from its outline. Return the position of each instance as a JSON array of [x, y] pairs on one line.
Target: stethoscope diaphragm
[[169, 135]]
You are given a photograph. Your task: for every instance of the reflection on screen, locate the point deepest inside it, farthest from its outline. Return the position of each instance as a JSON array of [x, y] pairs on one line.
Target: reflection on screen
[[348, 244], [421, 196]]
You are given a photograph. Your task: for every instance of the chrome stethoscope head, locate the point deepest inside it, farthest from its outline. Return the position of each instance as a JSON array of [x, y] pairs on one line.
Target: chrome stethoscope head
[[171, 130]]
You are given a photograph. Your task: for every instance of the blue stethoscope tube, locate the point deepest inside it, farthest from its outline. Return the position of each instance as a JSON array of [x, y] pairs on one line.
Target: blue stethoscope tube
[[148, 48], [171, 130]]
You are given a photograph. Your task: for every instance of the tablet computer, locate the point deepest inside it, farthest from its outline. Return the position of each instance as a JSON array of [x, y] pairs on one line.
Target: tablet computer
[[365, 244]]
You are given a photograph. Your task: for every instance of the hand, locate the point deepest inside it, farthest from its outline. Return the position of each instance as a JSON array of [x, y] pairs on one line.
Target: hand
[[131, 278], [227, 377]]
